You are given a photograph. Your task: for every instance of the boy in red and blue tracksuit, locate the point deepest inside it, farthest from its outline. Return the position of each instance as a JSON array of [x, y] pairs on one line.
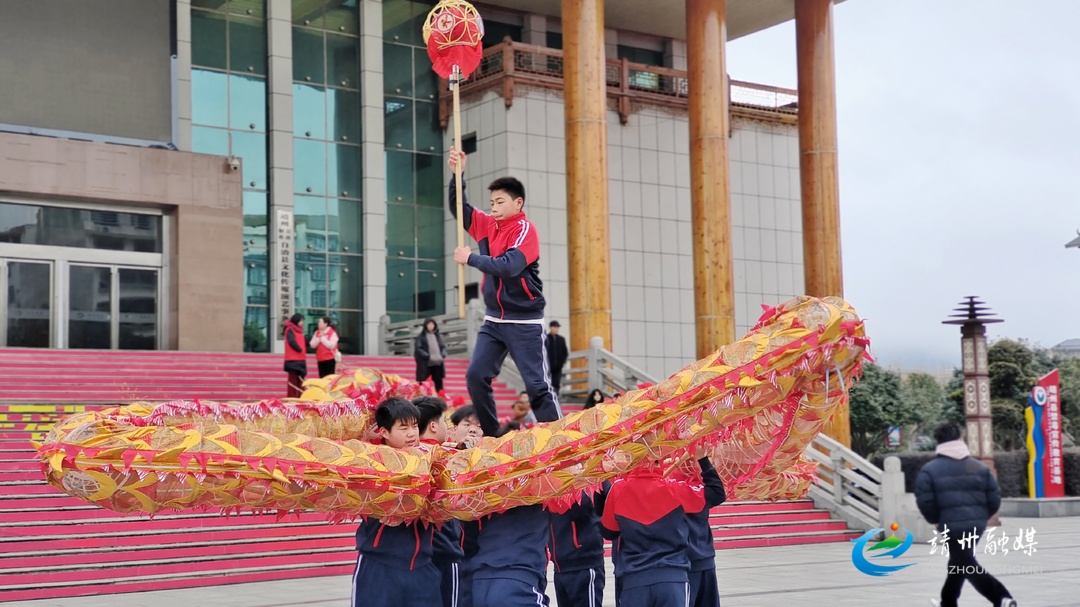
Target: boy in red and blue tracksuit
[[701, 549], [513, 295], [577, 551], [394, 566], [645, 517], [447, 551]]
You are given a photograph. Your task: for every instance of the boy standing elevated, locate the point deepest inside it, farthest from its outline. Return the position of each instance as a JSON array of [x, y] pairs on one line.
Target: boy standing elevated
[[513, 295]]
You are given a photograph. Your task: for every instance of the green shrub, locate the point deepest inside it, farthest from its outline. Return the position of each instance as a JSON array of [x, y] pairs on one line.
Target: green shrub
[[1071, 470], [1011, 469]]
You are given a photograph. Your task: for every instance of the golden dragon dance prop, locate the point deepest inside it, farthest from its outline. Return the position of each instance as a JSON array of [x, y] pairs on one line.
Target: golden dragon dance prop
[[756, 403]]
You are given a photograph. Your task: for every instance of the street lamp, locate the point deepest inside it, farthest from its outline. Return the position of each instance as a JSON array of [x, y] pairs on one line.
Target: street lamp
[[973, 316]]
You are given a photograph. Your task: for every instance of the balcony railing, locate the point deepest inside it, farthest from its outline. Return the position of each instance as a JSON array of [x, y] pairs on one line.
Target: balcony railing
[[512, 64]]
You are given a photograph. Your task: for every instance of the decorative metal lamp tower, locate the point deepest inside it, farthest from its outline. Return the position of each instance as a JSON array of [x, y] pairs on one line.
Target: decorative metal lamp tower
[[973, 316]]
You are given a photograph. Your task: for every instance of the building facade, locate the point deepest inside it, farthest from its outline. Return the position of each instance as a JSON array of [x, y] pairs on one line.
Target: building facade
[[298, 165]]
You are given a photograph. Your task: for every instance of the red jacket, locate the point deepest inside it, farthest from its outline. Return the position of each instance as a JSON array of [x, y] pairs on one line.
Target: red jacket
[[323, 351], [298, 337], [509, 258]]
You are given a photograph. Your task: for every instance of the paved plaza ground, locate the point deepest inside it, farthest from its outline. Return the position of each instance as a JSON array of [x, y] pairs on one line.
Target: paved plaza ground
[[816, 574]]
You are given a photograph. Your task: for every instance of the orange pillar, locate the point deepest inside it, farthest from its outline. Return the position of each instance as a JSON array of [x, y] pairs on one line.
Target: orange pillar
[[817, 164], [586, 172], [710, 186]]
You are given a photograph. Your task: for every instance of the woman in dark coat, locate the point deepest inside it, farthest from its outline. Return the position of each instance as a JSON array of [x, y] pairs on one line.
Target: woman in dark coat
[[295, 355], [430, 353]]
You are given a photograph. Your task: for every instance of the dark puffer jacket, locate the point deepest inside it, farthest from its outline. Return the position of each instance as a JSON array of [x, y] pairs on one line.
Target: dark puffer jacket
[[960, 493]]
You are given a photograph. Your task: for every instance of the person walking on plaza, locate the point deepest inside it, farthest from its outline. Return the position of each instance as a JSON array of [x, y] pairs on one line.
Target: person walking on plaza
[[509, 257], [325, 342], [295, 355], [430, 354], [557, 353], [958, 494]]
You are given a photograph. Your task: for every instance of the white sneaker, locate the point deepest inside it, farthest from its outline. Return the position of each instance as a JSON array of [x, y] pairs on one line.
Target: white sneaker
[[935, 602], [1008, 603]]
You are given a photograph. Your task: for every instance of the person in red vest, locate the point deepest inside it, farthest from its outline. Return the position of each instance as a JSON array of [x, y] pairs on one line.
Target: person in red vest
[[295, 355], [325, 342]]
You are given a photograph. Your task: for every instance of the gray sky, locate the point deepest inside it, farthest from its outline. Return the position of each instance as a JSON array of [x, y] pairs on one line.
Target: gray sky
[[959, 125]]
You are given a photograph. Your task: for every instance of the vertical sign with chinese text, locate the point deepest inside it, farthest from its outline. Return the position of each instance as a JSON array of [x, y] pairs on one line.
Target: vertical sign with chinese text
[[283, 296], [1043, 415]]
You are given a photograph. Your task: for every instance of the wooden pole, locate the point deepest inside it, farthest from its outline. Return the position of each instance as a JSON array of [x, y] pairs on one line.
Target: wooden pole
[[586, 172], [455, 84], [818, 165], [710, 186]]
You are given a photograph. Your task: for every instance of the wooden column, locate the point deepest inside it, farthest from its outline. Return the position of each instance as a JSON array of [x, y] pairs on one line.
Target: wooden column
[[710, 187], [586, 172], [817, 164]]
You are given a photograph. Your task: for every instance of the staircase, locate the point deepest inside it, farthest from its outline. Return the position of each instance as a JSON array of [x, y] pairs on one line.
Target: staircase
[[88, 377], [755, 524]]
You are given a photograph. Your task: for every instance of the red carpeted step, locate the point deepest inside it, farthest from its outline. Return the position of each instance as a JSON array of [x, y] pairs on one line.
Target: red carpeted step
[[16, 562], [141, 584], [114, 523], [80, 572]]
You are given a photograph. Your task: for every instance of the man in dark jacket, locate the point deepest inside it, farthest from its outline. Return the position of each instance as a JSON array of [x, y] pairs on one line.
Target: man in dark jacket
[[959, 494], [557, 353]]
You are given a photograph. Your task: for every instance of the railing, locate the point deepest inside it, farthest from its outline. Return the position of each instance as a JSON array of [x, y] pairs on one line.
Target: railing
[[398, 338], [848, 485], [510, 64], [597, 368]]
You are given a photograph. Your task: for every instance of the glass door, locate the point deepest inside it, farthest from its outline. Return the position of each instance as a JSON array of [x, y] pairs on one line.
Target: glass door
[[138, 303], [28, 286], [112, 307], [90, 307]]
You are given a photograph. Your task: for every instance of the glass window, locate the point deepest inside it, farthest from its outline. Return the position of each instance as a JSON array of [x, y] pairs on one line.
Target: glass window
[[400, 230], [255, 218], [210, 141], [29, 300], [247, 45], [430, 285], [252, 8], [309, 111], [343, 16], [426, 82], [397, 70], [308, 13], [309, 166], [342, 61], [256, 321], [209, 97], [208, 39], [346, 285], [308, 60], [350, 330], [252, 148], [90, 322], [344, 111], [343, 166], [429, 232], [399, 177], [400, 285], [430, 185], [403, 20], [309, 219], [495, 32], [345, 218], [247, 103], [399, 123], [81, 228], [310, 275], [428, 131]]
